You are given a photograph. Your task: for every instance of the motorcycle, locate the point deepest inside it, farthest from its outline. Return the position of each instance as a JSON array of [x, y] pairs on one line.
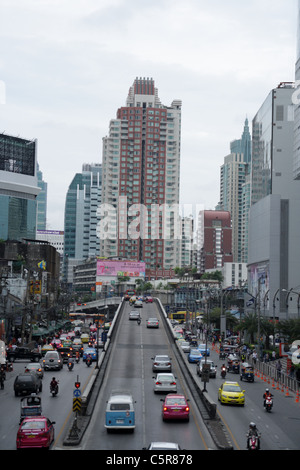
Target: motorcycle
[[77, 359], [268, 404], [253, 442], [88, 361], [54, 389], [70, 365], [223, 372]]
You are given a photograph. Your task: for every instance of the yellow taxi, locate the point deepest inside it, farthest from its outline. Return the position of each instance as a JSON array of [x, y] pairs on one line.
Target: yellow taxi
[[231, 393]]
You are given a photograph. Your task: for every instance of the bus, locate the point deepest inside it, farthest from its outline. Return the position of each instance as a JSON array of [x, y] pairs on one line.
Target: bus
[[178, 316], [129, 293]]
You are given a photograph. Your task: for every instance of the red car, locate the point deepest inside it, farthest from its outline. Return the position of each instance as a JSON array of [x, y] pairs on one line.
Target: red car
[[175, 406], [35, 432]]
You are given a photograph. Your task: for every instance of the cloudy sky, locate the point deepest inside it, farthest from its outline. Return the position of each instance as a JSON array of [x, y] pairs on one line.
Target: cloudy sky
[[66, 67]]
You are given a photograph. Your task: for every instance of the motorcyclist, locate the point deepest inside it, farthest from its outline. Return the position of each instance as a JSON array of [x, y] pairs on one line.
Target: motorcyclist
[[139, 321], [253, 431], [53, 383], [77, 356], [89, 359], [223, 370], [70, 363], [266, 395]]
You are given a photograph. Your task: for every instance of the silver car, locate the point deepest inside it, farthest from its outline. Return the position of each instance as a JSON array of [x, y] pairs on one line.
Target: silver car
[[161, 362], [52, 361], [210, 364], [165, 382], [134, 315], [185, 346]]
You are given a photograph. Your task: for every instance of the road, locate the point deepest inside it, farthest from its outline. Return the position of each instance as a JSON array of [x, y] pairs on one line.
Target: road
[[57, 408], [130, 368], [279, 429]]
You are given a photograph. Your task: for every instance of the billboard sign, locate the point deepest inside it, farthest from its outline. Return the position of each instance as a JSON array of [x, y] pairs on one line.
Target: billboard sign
[[107, 267]]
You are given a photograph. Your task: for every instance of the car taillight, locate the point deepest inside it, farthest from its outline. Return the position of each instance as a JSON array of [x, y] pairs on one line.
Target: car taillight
[[173, 383], [165, 408], [187, 408], [157, 383]]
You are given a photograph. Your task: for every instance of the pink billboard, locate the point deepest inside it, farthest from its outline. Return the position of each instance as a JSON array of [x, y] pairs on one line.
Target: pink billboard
[[108, 267]]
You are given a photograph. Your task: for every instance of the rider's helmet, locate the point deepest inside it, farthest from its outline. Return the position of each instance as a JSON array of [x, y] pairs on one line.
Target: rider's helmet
[[252, 426], [267, 390]]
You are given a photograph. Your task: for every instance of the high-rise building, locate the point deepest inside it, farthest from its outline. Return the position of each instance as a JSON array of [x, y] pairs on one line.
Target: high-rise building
[[141, 162], [81, 219], [233, 178], [274, 223], [214, 240], [18, 188], [41, 201], [296, 102]]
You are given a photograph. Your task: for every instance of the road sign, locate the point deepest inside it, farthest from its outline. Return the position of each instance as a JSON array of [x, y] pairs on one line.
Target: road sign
[[76, 404], [77, 393]]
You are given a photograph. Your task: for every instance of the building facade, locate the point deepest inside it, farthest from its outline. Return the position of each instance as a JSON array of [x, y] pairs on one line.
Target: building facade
[[214, 237], [80, 234], [274, 222], [18, 188], [141, 170]]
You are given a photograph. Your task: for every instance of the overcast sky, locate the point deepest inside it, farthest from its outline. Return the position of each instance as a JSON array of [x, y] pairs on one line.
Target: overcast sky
[[67, 66]]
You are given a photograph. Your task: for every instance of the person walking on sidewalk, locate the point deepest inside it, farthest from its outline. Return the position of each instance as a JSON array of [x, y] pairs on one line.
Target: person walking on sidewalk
[[278, 369]]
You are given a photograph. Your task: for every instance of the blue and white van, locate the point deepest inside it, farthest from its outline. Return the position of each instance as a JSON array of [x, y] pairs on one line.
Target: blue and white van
[[120, 412]]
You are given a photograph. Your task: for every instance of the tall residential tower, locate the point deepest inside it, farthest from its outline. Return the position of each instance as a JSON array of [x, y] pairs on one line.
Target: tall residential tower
[[141, 162]]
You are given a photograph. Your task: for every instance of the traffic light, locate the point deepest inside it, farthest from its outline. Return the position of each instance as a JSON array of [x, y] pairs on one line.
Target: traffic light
[[77, 384]]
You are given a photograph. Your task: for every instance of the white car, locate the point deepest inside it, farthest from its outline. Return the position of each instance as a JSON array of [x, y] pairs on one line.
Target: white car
[[165, 382], [185, 346]]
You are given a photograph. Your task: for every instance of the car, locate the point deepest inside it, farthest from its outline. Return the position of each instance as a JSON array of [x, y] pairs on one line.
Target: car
[[185, 346], [47, 347], [194, 355], [148, 299], [162, 445], [35, 432], [204, 349], [161, 362], [120, 412], [152, 323], [92, 352], [66, 353], [231, 393], [52, 361], [85, 338], [175, 406], [134, 315], [138, 304], [210, 364], [165, 382], [25, 384], [35, 367]]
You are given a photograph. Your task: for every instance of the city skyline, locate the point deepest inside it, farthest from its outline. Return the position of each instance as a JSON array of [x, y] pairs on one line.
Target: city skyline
[[61, 80]]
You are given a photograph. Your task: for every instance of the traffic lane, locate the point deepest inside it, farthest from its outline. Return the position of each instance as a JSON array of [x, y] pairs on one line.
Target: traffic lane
[[276, 427], [55, 408], [135, 373]]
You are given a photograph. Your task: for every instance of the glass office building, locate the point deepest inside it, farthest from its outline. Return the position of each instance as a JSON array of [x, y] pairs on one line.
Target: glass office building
[[18, 188]]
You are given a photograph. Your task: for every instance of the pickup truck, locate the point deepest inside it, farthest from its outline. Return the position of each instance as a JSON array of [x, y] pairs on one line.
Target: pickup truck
[[22, 352]]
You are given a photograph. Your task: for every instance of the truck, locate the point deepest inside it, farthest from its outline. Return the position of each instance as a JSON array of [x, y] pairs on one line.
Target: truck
[[23, 352]]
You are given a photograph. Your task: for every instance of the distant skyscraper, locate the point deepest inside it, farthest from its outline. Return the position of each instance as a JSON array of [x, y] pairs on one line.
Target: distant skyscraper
[[141, 163], [82, 201], [41, 201], [234, 173], [18, 188]]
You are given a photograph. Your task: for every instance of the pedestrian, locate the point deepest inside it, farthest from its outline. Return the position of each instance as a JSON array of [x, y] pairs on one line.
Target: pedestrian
[[273, 355], [254, 356], [278, 369]]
